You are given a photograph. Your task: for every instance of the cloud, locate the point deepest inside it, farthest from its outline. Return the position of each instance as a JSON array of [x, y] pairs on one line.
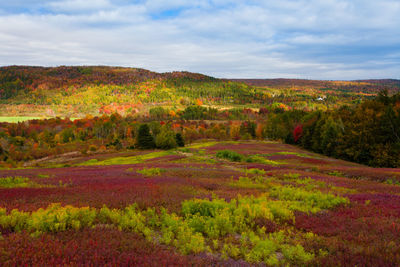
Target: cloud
[[332, 39], [79, 5]]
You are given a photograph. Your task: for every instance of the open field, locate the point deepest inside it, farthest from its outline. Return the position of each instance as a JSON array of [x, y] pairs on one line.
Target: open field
[[21, 119], [217, 203], [18, 119]]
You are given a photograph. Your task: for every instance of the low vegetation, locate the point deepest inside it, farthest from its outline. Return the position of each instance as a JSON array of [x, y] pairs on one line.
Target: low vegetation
[[226, 213]]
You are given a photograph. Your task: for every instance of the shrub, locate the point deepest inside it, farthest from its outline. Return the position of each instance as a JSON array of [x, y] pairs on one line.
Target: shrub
[[16, 182], [312, 201], [229, 155], [92, 148]]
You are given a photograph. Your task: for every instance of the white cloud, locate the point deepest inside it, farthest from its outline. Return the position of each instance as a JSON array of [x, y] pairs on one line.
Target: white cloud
[[223, 38], [79, 5]]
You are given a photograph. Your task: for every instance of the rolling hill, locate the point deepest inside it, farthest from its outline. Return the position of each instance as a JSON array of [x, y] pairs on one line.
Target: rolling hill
[[76, 91]]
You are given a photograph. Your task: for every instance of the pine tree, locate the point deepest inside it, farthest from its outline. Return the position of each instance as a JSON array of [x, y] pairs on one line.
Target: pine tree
[[144, 139], [179, 140]]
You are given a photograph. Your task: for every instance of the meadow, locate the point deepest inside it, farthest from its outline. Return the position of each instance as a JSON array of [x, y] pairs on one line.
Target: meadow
[[219, 203]]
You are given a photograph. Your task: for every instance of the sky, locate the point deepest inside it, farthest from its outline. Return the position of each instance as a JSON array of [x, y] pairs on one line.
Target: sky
[[309, 39]]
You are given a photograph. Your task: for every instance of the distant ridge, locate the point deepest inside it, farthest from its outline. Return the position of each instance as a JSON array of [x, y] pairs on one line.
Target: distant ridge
[[370, 85], [32, 76]]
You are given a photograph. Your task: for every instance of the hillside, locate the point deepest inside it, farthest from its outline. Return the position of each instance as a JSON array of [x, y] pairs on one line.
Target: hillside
[[366, 86], [80, 90], [76, 91], [14, 79]]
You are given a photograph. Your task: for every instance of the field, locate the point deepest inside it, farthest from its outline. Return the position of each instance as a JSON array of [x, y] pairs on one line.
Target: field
[[233, 203], [18, 119], [22, 119]]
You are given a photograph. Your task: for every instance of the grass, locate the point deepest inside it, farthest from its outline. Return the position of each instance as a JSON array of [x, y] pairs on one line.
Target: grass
[[126, 160], [21, 119], [17, 182], [262, 160], [43, 176], [151, 171], [203, 144]]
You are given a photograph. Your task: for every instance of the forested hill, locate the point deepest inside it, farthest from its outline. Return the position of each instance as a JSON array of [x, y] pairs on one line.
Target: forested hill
[[75, 91], [28, 78], [14, 79], [370, 86]]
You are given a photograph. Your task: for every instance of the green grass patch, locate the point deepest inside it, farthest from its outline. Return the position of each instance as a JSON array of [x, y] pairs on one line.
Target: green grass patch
[[17, 182], [262, 160], [257, 182], [18, 119], [43, 176], [336, 173], [22, 119], [126, 160], [201, 145]]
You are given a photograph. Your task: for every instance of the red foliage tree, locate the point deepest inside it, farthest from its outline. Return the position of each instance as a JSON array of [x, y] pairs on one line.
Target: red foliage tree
[[297, 133]]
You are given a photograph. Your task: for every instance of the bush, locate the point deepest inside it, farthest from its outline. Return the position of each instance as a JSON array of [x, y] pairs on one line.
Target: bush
[[16, 182], [230, 155], [92, 148]]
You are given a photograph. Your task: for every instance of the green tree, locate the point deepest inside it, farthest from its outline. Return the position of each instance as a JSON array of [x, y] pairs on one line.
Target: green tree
[[144, 139], [166, 139], [179, 140]]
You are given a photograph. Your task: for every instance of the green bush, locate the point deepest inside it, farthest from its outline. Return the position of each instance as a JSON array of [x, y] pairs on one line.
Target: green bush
[[55, 218], [229, 155], [312, 201], [17, 182]]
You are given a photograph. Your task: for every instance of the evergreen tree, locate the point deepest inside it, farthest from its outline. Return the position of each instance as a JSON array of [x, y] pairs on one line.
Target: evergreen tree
[[144, 139], [179, 140]]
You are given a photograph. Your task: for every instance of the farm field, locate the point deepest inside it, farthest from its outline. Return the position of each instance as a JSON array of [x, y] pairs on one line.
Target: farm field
[[235, 203]]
